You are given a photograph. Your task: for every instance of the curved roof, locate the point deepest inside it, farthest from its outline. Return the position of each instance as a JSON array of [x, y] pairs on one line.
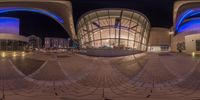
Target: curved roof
[[101, 12], [182, 6], [59, 10]]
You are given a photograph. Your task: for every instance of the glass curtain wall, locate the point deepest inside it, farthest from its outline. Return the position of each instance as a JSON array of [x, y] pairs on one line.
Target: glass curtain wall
[[12, 45], [114, 28]]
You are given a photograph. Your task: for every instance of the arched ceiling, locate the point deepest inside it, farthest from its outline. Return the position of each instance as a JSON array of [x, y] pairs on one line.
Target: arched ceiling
[[183, 10]]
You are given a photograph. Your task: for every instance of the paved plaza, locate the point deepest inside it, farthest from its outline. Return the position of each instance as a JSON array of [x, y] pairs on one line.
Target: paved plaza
[[71, 76]]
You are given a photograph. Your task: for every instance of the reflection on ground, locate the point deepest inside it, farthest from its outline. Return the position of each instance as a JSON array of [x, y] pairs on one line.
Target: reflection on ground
[[66, 76]]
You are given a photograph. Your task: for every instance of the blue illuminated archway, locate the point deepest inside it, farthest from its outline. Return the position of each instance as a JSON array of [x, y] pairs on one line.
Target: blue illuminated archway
[[185, 15], [191, 25], [57, 18]]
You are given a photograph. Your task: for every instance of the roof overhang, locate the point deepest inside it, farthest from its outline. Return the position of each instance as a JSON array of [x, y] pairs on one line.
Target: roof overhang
[[181, 7], [59, 10]]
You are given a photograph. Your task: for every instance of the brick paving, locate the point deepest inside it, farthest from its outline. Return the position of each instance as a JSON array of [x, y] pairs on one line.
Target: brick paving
[[78, 77]]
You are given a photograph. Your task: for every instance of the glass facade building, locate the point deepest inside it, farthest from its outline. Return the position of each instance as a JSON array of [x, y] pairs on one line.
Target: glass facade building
[[114, 28], [12, 45], [12, 42], [56, 43], [35, 42]]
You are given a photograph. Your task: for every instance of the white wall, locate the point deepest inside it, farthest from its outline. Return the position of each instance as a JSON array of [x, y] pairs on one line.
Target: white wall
[[190, 42], [154, 49]]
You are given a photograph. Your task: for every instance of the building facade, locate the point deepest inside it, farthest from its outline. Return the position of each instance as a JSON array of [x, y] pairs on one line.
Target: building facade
[[186, 26], [159, 40], [10, 40], [114, 28], [58, 10], [34, 42], [56, 43]]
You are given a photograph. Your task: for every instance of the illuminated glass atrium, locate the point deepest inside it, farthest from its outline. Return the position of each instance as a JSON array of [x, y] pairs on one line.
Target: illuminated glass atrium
[[114, 28]]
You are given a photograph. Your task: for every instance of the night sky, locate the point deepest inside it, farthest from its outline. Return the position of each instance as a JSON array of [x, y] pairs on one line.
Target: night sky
[[159, 13], [37, 24]]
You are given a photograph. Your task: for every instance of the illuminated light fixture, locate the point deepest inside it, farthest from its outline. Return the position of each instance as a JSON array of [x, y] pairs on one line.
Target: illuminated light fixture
[[117, 22], [14, 54], [186, 14], [3, 54], [23, 54], [183, 16], [13, 9], [192, 25], [171, 32], [193, 54], [196, 13]]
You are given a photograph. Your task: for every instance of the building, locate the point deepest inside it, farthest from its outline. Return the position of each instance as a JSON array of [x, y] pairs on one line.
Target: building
[[107, 28], [186, 26], [58, 10], [113, 28], [10, 40], [56, 43], [159, 40], [34, 42]]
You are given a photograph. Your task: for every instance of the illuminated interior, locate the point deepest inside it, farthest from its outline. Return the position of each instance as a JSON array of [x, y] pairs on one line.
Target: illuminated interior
[[114, 28]]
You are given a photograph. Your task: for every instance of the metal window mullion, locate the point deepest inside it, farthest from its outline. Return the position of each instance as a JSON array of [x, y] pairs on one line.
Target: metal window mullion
[[78, 35], [127, 22], [142, 33], [92, 33], [6, 45], [12, 45], [87, 27], [100, 25], [81, 37], [109, 23], [0, 45], [103, 21], [136, 31], [148, 34], [129, 28], [87, 30], [120, 28]]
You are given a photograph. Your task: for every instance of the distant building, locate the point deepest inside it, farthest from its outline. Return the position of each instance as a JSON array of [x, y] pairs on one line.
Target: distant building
[[56, 43], [35, 42], [10, 39], [159, 40]]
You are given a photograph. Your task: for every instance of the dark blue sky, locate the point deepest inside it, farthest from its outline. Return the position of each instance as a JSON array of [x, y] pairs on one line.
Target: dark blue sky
[[159, 12]]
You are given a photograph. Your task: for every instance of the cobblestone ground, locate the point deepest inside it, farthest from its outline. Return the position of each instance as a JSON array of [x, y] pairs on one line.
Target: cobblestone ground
[[71, 76]]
